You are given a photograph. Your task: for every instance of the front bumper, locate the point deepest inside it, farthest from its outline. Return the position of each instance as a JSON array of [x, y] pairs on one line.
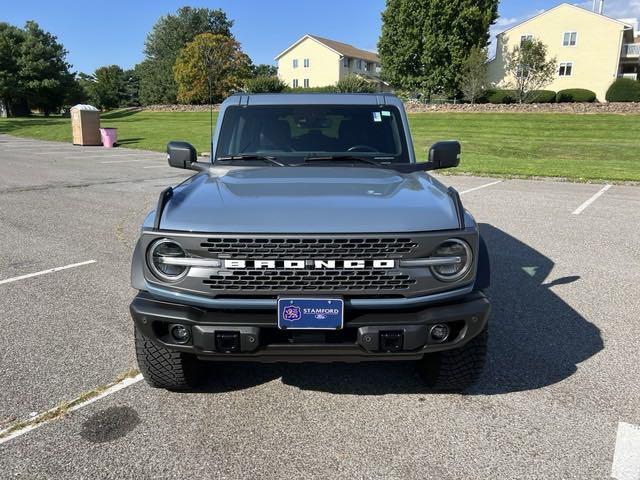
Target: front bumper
[[238, 335]]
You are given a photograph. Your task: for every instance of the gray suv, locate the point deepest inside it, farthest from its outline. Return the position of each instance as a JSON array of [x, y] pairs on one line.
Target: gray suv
[[311, 235]]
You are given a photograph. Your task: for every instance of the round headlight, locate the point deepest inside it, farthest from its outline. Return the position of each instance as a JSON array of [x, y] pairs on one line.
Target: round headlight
[[461, 260], [163, 260]]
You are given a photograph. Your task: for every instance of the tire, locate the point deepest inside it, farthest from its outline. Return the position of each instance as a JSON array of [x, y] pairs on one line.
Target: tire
[[455, 370], [164, 368]]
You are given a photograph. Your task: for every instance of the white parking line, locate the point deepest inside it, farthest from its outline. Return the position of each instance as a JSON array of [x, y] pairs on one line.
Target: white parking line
[[44, 272], [481, 186], [579, 210], [126, 161], [107, 155], [626, 458], [158, 166], [36, 421]]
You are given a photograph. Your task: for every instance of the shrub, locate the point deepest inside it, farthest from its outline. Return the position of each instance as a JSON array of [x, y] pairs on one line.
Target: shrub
[[263, 84], [354, 84], [325, 89], [501, 96], [624, 90], [575, 95], [543, 96]]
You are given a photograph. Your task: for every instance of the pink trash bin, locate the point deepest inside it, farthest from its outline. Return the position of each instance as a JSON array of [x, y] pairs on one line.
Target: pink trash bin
[[109, 136]]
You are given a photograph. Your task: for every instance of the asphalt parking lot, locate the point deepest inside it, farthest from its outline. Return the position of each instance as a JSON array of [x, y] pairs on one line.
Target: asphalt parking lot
[[558, 399]]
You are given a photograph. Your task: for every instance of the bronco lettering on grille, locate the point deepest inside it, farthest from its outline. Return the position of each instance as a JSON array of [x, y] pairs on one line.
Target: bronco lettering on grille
[[309, 264]]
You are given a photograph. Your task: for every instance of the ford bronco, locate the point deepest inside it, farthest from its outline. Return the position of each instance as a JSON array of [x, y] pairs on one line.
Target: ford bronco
[[312, 234]]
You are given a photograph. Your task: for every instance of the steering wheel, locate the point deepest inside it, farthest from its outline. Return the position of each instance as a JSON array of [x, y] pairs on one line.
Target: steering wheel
[[362, 148]]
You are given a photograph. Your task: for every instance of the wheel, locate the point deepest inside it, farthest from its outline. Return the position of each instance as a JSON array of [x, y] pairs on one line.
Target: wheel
[[458, 369], [164, 368]]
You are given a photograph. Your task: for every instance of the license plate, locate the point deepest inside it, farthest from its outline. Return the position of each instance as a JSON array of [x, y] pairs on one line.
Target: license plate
[[310, 313]]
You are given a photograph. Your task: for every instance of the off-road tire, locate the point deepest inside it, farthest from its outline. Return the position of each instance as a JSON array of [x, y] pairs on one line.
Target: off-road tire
[[455, 370], [164, 368]]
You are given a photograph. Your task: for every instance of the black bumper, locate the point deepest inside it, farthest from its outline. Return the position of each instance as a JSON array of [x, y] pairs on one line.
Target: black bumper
[[253, 335]]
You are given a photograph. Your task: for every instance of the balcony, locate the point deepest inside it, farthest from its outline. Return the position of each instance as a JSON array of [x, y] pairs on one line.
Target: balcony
[[631, 50]]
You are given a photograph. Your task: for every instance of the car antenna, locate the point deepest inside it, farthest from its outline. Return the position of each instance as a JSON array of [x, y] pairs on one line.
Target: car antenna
[[207, 56]]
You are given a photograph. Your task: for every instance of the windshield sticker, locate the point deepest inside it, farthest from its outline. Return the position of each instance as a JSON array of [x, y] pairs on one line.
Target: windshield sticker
[[377, 117], [386, 113]]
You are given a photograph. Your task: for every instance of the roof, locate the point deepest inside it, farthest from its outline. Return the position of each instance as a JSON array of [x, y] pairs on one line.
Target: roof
[[342, 49], [604, 17]]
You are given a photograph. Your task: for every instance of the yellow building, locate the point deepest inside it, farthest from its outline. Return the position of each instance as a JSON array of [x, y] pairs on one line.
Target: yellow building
[[318, 62], [591, 49]]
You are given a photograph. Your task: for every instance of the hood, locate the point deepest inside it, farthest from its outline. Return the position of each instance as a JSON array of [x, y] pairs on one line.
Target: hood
[[309, 200]]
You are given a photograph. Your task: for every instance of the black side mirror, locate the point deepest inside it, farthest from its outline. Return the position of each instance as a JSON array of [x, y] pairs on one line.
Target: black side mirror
[[181, 155], [445, 154]]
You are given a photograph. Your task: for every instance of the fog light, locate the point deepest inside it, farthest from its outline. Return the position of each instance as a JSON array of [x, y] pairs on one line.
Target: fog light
[[180, 333], [439, 332]]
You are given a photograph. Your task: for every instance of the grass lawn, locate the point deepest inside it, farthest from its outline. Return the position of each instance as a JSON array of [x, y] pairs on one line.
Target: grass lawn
[[578, 147]]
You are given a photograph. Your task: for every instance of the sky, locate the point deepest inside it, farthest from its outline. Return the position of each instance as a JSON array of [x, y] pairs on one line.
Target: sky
[[104, 33]]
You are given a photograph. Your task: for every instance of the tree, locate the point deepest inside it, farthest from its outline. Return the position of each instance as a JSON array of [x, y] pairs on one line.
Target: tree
[[424, 43], [264, 84], [474, 80], [169, 35], [11, 87], [108, 87], [529, 69], [211, 65], [354, 84], [43, 69], [264, 70]]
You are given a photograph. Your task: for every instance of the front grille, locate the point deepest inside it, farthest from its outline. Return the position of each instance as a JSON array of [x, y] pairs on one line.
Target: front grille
[[309, 280], [317, 248]]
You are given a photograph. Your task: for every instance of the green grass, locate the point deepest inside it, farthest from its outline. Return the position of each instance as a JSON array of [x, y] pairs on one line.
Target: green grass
[[577, 147]]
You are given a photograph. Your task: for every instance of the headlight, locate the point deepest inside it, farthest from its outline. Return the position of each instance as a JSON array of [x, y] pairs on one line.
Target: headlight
[[165, 260], [461, 259]]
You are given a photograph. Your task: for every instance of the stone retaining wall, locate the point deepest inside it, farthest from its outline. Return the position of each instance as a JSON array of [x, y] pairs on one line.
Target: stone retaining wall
[[414, 107]]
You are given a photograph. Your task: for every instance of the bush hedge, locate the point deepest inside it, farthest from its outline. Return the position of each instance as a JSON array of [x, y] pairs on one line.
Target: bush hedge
[[572, 95], [499, 96], [264, 85], [325, 89], [354, 84], [542, 96], [624, 90]]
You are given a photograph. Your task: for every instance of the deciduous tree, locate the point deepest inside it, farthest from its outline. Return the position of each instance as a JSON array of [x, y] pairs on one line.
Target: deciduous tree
[[210, 65], [168, 36], [424, 43], [529, 69], [474, 81]]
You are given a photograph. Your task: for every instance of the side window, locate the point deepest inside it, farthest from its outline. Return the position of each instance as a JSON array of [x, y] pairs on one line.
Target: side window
[[295, 63], [305, 83], [566, 69], [305, 62], [345, 62], [295, 83], [569, 39], [525, 38], [359, 64]]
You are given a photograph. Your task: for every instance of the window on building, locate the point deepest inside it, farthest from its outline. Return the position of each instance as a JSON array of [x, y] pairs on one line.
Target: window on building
[[306, 63], [295, 63], [359, 64], [566, 69], [295, 83], [345, 62], [526, 38], [305, 83], [569, 39]]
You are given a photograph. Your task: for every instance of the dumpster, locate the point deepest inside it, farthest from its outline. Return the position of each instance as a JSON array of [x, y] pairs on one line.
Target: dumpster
[[109, 136], [85, 125]]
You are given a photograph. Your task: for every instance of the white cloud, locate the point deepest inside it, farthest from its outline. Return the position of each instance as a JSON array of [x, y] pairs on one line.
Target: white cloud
[[506, 21], [616, 8]]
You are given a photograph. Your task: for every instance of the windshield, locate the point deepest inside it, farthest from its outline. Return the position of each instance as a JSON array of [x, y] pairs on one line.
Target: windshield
[[292, 133]]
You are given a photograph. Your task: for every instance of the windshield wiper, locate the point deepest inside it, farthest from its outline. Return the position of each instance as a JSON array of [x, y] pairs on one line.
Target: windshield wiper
[[252, 156], [345, 158]]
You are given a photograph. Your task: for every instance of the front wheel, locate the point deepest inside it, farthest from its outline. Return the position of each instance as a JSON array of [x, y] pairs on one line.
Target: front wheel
[[164, 368], [458, 369]]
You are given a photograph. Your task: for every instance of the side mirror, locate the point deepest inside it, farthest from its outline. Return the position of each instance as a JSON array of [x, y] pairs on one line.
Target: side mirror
[[445, 154], [181, 155]]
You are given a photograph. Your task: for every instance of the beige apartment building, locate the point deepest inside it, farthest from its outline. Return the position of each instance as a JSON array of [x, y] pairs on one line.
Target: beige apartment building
[[592, 49], [314, 61]]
